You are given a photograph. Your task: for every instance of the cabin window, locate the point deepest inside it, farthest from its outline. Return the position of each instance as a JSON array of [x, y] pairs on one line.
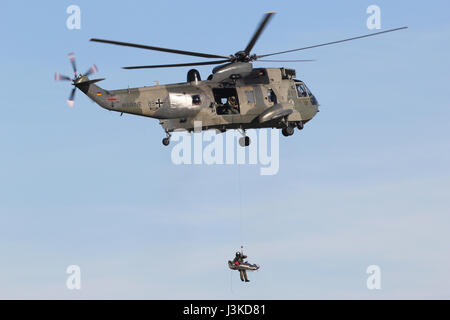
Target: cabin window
[[250, 96], [301, 90], [271, 96], [196, 100]]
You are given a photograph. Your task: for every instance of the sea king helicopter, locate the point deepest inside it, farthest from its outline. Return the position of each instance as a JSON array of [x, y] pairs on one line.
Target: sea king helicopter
[[235, 96]]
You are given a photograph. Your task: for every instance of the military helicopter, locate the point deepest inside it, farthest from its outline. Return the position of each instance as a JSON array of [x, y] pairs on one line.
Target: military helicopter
[[235, 96]]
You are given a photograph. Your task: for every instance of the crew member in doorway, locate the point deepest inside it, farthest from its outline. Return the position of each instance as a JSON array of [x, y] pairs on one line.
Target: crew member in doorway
[[232, 103]]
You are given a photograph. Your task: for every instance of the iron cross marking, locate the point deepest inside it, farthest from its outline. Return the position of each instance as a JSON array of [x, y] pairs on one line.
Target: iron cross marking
[[159, 103]]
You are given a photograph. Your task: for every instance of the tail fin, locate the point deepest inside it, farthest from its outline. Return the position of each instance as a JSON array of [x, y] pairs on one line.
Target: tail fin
[[86, 82], [96, 93], [86, 85]]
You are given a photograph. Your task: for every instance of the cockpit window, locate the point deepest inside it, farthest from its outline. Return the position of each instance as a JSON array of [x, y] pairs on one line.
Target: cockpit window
[[302, 91], [196, 100], [307, 90]]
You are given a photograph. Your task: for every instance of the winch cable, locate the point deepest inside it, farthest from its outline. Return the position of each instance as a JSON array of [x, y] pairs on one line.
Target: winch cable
[[240, 205], [240, 221]]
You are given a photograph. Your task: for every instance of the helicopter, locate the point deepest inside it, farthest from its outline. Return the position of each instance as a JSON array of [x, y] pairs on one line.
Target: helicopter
[[235, 95]]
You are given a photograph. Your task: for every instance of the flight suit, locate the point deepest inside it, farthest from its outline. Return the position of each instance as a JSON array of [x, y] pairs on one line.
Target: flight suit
[[240, 259]]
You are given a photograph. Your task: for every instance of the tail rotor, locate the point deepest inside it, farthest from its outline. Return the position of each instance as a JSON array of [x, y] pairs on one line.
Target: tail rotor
[[74, 65], [93, 69], [76, 78], [70, 101]]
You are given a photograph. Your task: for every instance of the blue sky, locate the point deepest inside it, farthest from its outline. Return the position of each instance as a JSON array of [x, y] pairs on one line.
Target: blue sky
[[366, 182]]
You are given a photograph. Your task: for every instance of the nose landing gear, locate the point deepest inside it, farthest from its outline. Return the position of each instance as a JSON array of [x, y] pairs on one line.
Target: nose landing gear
[[288, 130]]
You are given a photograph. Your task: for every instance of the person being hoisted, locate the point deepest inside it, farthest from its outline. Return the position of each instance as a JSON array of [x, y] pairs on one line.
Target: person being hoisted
[[239, 260], [239, 264]]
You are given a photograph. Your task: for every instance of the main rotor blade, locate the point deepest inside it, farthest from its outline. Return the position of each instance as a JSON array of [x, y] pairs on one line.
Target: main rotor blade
[[286, 60], [334, 42], [141, 46], [178, 65], [258, 31]]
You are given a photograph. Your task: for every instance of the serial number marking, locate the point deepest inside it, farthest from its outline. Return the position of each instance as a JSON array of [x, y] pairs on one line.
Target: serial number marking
[[131, 104]]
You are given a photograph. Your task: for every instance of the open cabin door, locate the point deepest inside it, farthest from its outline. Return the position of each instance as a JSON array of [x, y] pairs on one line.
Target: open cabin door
[[247, 100], [227, 102]]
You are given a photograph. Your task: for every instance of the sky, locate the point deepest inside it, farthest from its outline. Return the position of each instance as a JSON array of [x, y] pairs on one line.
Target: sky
[[365, 183]]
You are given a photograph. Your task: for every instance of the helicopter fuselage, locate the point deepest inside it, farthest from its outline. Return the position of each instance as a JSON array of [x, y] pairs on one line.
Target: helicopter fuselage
[[258, 98]]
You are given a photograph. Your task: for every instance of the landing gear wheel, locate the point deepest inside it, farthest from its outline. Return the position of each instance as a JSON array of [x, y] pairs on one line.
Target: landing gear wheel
[[244, 141], [300, 125], [166, 141], [288, 131]]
